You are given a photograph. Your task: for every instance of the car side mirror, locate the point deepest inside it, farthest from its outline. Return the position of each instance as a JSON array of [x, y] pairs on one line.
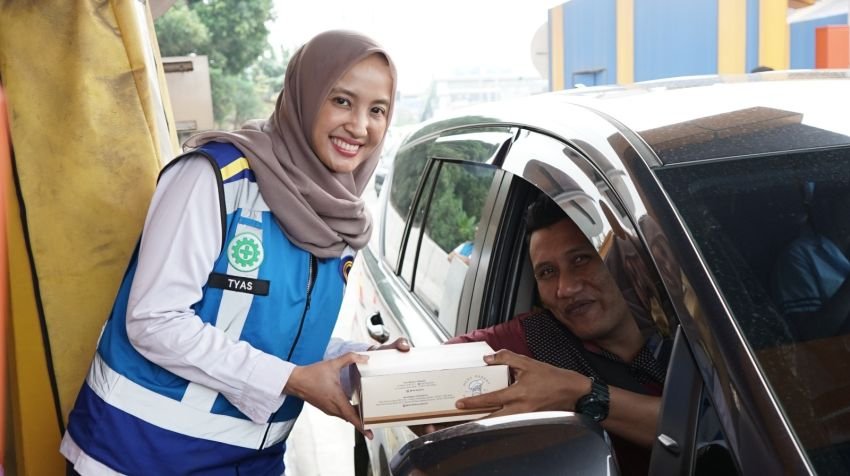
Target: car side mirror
[[540, 443]]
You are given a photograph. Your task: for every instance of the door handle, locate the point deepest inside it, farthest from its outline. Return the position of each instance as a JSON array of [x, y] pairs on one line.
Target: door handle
[[377, 329]]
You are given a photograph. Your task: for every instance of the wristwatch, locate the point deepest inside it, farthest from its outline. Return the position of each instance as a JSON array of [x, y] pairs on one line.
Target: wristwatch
[[595, 404]]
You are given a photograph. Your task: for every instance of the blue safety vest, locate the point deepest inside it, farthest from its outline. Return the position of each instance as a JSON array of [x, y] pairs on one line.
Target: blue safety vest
[[139, 418]]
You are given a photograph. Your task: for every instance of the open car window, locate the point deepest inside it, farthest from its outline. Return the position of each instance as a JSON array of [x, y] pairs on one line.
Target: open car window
[[542, 164]]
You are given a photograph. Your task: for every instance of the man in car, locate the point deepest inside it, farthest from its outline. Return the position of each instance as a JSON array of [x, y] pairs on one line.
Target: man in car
[[584, 351]]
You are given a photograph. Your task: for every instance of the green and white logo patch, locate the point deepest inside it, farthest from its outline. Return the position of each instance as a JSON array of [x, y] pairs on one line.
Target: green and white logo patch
[[245, 252]]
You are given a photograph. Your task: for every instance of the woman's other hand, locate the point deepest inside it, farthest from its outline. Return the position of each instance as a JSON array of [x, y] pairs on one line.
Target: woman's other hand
[[401, 344], [318, 384]]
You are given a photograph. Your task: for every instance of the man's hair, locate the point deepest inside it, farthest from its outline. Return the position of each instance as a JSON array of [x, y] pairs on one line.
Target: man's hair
[[541, 213]]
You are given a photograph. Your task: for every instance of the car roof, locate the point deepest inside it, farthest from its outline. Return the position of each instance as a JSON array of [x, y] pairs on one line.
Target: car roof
[[693, 118]]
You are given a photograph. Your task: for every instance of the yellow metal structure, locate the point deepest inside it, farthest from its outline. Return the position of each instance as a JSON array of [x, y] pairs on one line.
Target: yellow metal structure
[[774, 38], [89, 123], [556, 48], [731, 36], [625, 41]]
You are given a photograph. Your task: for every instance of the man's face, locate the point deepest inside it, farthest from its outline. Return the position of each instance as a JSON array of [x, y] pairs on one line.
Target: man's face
[[574, 283]]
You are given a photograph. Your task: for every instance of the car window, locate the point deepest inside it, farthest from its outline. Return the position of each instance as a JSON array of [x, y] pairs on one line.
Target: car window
[[407, 171], [593, 203], [480, 145], [446, 246], [773, 231]]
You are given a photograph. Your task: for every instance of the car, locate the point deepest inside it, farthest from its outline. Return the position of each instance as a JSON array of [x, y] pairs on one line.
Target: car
[[706, 180]]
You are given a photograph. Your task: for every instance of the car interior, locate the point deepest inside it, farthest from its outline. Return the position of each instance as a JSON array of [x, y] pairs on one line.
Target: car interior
[[743, 214], [512, 277], [777, 208]]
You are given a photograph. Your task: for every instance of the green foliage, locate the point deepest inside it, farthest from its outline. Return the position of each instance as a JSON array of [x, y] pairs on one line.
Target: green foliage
[[407, 168], [238, 32], [181, 32], [468, 150], [456, 207], [268, 71], [250, 94], [460, 190], [238, 99], [245, 72]]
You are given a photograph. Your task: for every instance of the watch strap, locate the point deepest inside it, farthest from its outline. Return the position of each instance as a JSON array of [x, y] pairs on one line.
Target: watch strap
[[596, 403]]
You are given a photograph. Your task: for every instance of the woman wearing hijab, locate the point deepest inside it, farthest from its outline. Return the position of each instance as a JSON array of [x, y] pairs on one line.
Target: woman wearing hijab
[[221, 328]]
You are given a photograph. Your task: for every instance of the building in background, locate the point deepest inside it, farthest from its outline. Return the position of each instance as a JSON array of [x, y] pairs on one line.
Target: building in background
[[188, 79], [450, 93], [819, 35], [593, 42]]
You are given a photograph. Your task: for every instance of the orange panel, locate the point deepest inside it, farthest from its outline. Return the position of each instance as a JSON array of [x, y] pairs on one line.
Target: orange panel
[[831, 47]]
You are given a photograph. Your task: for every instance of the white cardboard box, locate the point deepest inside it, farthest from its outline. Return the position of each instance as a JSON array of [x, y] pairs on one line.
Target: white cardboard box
[[421, 386]]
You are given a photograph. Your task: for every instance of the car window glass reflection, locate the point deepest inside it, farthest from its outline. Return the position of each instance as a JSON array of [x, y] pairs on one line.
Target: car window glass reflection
[[446, 247], [406, 174], [773, 232]]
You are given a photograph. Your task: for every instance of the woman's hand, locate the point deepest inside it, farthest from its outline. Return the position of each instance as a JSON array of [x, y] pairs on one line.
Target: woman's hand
[[401, 344], [318, 384]]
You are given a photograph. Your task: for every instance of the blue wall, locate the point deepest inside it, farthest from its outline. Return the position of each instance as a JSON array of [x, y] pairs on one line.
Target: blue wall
[[590, 42], [803, 40], [752, 34], [675, 38]]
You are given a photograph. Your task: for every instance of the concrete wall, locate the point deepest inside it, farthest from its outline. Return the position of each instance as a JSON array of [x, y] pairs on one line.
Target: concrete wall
[[188, 79]]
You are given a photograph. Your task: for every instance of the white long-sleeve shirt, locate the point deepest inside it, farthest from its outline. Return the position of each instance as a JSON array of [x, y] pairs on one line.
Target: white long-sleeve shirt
[[169, 279]]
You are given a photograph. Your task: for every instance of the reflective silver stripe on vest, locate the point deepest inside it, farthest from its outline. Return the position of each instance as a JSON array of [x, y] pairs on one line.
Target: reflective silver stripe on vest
[[243, 194], [164, 412], [232, 314]]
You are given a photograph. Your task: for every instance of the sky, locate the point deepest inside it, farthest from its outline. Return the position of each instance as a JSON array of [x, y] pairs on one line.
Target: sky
[[428, 38]]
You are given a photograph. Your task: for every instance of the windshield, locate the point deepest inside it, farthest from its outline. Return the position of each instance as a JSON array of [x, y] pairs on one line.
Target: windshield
[[775, 233]]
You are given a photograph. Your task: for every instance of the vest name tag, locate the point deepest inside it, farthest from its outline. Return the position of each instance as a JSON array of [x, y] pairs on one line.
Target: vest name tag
[[240, 284]]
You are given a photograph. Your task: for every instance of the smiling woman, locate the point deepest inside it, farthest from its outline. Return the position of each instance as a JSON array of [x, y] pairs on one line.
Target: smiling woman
[[352, 120], [221, 328]]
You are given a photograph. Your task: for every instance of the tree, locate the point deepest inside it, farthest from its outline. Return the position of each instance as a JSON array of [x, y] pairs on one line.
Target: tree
[[245, 71], [181, 32], [238, 32]]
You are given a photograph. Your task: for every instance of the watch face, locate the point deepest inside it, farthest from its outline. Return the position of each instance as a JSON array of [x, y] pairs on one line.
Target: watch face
[[594, 409], [595, 404]]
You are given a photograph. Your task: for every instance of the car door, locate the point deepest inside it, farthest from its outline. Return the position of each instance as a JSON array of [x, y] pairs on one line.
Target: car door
[[412, 279]]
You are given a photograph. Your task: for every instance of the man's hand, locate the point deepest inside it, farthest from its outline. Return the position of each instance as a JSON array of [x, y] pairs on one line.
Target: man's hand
[[401, 344], [540, 387], [537, 387], [318, 384]]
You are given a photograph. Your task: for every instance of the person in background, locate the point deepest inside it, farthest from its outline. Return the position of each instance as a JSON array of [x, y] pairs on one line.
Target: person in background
[[462, 252], [809, 279], [584, 351], [222, 325]]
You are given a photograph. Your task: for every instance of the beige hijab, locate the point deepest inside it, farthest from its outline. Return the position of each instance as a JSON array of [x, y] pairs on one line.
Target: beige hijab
[[319, 210]]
